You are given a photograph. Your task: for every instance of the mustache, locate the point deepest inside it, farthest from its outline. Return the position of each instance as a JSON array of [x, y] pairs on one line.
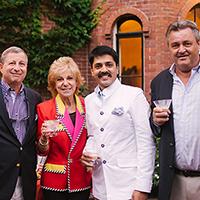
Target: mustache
[[101, 74]]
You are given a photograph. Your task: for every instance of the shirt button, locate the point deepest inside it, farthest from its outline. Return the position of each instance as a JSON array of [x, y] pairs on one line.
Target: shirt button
[[18, 165], [104, 161], [102, 145], [101, 129], [101, 113], [21, 148]]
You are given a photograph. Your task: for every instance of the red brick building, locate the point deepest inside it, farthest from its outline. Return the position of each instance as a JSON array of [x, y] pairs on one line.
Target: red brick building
[[136, 29]]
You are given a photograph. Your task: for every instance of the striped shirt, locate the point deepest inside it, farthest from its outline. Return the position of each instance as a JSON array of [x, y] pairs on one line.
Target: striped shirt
[[17, 109], [186, 111]]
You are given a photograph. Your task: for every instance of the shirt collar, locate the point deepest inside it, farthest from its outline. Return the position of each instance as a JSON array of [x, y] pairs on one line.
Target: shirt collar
[[109, 90], [194, 69], [7, 89]]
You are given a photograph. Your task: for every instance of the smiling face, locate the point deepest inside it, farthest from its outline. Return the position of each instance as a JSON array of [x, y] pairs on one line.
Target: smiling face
[[184, 49], [66, 85], [14, 69], [104, 70], [64, 77]]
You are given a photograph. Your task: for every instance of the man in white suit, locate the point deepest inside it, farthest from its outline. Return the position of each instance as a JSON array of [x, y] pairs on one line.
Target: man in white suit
[[117, 119]]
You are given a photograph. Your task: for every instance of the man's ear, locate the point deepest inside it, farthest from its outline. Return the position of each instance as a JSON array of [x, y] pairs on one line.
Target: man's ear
[[1, 66], [91, 70]]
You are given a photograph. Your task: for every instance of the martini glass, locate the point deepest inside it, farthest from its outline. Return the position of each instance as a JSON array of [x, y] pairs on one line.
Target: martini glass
[[163, 103]]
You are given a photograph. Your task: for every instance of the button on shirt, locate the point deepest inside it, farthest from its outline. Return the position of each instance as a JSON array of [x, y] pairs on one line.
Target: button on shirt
[[17, 109], [186, 111]]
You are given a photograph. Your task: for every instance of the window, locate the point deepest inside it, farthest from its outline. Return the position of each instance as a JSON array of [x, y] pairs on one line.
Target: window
[[194, 15], [129, 44]]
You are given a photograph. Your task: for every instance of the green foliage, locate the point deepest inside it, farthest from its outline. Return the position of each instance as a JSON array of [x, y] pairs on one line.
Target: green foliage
[[83, 90], [156, 171], [20, 25]]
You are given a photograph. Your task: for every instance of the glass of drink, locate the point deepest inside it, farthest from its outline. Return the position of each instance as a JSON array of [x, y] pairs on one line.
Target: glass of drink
[[163, 103], [91, 150], [51, 126]]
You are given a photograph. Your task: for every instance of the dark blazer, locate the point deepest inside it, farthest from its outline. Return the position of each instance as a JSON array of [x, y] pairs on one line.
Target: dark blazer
[[161, 88], [15, 157]]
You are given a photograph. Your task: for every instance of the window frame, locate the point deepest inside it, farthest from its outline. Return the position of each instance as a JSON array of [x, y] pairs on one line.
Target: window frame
[[138, 34]]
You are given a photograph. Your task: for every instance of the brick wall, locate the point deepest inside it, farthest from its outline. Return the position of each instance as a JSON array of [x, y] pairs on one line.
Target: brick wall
[[155, 15]]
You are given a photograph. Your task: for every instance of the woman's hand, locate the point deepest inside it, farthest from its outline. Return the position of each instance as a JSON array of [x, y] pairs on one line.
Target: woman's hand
[[47, 130], [43, 143]]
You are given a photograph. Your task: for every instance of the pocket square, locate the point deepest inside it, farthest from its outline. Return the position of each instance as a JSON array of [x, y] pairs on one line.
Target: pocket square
[[118, 111]]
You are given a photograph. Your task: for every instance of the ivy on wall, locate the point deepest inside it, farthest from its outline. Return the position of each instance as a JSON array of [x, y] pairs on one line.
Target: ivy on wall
[[20, 25]]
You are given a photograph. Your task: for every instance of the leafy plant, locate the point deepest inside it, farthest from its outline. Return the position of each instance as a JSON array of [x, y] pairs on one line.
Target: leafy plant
[[154, 192], [20, 25]]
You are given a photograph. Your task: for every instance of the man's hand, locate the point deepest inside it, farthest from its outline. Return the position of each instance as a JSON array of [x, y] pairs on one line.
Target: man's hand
[[88, 161], [160, 115], [137, 195]]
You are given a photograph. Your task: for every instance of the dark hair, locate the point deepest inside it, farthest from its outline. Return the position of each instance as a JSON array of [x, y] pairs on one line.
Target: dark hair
[[103, 50], [183, 24]]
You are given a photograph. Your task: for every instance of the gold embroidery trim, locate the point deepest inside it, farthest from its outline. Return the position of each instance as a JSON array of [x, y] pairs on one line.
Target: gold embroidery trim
[[61, 169]]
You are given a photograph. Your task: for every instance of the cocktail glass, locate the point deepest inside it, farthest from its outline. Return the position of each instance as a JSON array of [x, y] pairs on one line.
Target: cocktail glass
[[52, 127], [163, 103]]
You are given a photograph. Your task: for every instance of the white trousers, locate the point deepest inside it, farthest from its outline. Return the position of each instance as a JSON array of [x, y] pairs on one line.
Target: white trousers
[[18, 193]]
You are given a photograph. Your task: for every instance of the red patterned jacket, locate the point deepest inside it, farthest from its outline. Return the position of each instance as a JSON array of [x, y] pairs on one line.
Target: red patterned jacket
[[63, 170]]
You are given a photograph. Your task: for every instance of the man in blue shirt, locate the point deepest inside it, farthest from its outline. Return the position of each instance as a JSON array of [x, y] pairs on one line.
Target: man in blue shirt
[[178, 127], [18, 123]]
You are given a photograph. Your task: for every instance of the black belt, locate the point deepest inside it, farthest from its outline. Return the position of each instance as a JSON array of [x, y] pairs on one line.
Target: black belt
[[187, 173]]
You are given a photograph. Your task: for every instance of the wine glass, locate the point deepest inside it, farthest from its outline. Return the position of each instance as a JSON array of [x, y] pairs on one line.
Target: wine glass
[[163, 103], [92, 151]]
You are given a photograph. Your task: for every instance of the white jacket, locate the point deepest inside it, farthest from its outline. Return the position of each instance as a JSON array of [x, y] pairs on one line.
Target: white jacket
[[119, 121]]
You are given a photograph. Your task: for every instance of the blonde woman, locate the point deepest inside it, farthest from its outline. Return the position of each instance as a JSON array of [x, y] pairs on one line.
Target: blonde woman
[[63, 177]]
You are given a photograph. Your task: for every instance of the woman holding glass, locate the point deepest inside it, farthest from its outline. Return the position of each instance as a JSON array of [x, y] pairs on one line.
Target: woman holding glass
[[62, 135]]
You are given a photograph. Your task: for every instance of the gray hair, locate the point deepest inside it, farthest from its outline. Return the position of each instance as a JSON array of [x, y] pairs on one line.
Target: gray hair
[[183, 24], [12, 49]]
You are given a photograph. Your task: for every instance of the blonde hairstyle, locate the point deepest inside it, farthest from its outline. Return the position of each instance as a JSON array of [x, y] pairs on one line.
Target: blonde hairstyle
[[12, 49], [63, 64]]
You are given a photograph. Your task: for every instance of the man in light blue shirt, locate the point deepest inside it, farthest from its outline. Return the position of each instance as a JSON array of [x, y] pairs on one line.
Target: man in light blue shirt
[[179, 126]]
